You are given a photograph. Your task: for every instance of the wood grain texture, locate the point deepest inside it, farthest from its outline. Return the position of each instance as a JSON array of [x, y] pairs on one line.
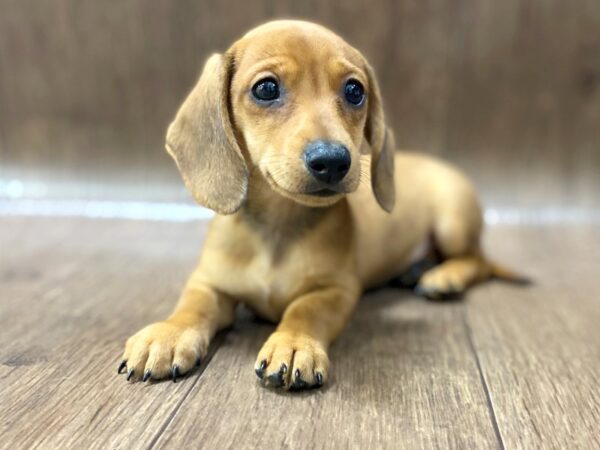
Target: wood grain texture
[[508, 367], [540, 347], [509, 90], [71, 293]]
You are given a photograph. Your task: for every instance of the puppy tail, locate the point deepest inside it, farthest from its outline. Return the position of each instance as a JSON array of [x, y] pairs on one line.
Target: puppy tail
[[503, 273]]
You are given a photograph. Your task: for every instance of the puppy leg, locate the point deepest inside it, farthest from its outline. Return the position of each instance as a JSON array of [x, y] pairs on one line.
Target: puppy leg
[[295, 356], [172, 347], [453, 277], [457, 239]]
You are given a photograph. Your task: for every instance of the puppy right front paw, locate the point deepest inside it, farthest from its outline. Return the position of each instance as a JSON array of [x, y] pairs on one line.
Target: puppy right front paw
[[292, 361], [164, 350]]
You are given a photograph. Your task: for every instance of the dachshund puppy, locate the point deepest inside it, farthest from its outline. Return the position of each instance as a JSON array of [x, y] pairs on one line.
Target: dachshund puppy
[[284, 138]]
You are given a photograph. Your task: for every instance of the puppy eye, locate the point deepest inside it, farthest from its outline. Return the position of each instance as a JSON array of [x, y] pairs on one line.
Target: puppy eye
[[266, 90], [354, 92]]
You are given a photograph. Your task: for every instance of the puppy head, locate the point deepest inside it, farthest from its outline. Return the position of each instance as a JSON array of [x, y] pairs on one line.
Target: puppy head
[[297, 104]]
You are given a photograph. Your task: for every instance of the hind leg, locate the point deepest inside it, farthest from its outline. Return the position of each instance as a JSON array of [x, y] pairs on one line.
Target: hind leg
[[452, 277], [457, 240]]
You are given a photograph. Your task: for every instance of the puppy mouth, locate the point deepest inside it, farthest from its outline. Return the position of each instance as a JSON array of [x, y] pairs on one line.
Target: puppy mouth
[[321, 192], [324, 193]]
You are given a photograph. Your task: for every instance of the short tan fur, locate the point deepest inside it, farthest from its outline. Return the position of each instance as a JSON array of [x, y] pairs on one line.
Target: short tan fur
[[294, 257]]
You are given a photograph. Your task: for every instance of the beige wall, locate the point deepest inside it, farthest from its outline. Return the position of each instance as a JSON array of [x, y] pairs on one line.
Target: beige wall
[[510, 89]]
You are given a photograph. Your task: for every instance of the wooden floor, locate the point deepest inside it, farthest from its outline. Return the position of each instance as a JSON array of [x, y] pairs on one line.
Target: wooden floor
[[508, 367]]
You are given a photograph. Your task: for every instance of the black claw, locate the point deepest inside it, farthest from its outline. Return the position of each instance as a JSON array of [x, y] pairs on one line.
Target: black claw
[[260, 370], [276, 379], [198, 362], [299, 383], [175, 373], [130, 374], [122, 366], [319, 377], [147, 375]]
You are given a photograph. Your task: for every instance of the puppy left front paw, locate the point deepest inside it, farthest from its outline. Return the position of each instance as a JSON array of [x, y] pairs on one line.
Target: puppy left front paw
[[292, 361]]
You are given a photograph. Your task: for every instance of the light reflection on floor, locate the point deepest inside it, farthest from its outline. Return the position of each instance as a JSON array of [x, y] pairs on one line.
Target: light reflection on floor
[[157, 199]]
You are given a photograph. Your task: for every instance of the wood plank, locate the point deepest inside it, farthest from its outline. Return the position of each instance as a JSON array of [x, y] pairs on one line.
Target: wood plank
[[94, 283], [403, 376], [404, 372], [539, 347]]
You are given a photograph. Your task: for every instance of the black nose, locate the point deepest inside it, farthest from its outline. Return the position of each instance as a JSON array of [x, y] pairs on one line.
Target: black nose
[[328, 162]]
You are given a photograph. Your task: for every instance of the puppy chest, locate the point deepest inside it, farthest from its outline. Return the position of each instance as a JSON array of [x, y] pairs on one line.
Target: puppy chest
[[266, 272], [265, 284]]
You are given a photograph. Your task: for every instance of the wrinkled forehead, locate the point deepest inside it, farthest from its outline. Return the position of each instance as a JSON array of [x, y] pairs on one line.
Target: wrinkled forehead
[[297, 47]]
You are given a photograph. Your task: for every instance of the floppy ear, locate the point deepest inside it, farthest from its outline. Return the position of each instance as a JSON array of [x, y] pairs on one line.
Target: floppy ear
[[202, 142], [381, 141]]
